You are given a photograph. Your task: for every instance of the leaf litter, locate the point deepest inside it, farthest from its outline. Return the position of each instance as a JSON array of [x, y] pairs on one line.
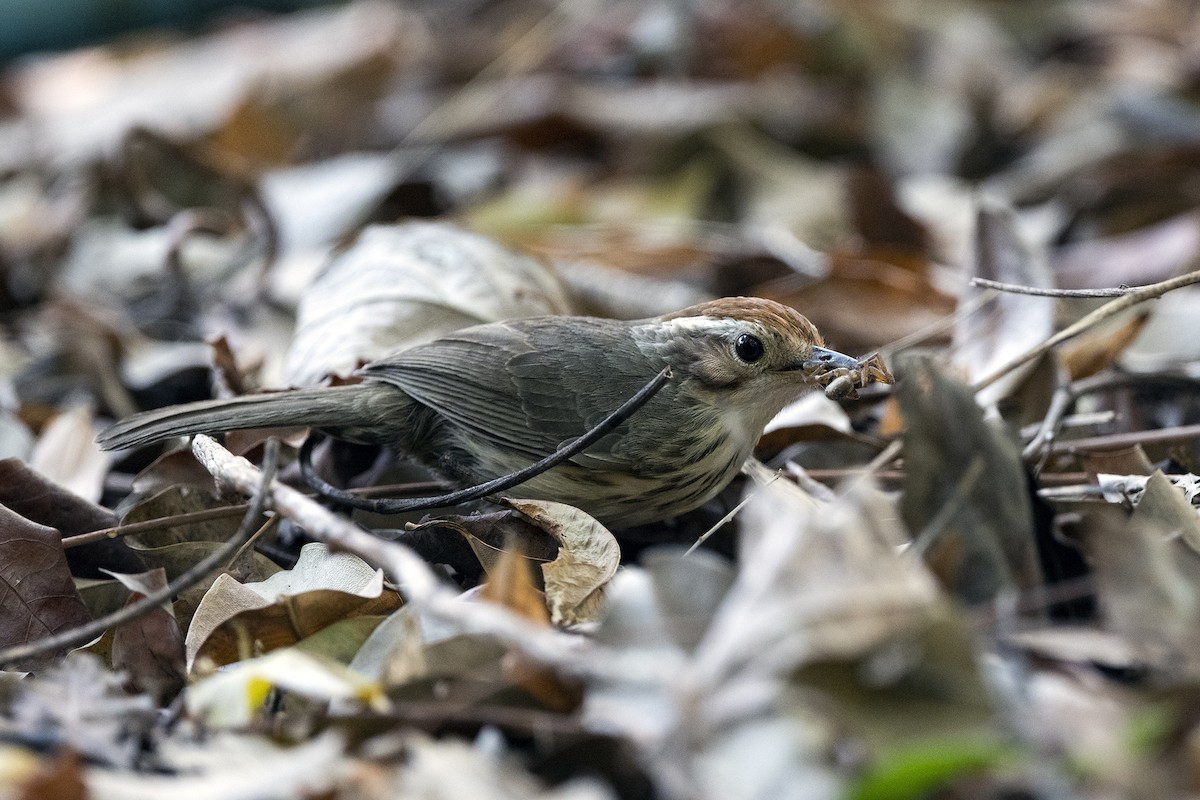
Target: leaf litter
[[981, 582]]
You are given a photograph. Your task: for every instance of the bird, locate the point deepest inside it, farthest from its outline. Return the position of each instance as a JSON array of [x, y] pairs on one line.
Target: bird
[[490, 399]]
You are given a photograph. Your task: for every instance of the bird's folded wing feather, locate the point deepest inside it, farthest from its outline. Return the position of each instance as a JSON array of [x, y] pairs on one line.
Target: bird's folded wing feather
[[518, 384]]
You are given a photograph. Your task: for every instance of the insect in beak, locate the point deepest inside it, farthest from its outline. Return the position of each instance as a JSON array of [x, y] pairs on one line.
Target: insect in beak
[[821, 359]]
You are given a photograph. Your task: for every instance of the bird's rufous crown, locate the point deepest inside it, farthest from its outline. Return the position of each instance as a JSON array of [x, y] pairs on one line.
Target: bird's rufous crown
[[772, 315]]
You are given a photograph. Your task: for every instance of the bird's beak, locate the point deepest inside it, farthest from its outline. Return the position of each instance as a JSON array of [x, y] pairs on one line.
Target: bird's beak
[[821, 360]]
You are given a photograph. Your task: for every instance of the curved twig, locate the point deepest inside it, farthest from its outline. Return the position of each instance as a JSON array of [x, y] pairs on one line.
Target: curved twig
[[391, 506]]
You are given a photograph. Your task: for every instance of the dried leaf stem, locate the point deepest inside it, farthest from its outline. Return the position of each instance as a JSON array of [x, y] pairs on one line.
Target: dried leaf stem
[[1106, 311], [214, 561]]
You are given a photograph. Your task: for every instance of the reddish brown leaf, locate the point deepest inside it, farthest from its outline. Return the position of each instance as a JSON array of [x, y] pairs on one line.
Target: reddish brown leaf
[[510, 584], [37, 596], [1099, 349], [886, 286], [150, 648], [228, 371], [878, 218], [33, 497]]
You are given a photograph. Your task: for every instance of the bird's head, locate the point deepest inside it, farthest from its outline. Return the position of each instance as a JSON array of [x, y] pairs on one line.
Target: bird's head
[[748, 352]]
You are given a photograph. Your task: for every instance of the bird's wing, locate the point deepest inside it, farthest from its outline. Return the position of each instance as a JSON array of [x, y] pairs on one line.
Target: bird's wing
[[525, 385]]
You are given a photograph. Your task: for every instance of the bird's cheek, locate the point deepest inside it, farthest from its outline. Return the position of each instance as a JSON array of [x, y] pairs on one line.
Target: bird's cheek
[[714, 374]]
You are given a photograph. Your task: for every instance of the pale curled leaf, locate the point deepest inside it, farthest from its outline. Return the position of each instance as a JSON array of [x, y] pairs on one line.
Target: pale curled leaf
[[401, 285], [1132, 488], [587, 559], [1168, 506], [322, 588], [491, 535], [144, 583]]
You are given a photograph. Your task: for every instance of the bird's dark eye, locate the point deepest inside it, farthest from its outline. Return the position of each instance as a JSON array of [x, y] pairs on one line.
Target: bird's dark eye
[[748, 348]]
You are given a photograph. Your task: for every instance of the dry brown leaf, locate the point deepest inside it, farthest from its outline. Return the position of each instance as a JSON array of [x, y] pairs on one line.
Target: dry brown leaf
[[322, 588], [1009, 324], [59, 778], [38, 597], [492, 535], [587, 559], [888, 288], [1146, 590], [510, 584], [29, 494], [230, 375], [1101, 348], [149, 649]]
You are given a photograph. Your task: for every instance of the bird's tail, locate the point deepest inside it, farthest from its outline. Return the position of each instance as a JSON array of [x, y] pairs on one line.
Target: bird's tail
[[333, 407]]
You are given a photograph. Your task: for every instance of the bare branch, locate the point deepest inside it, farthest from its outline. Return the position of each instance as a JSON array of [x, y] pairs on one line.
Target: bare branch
[[1038, 291], [1106, 311]]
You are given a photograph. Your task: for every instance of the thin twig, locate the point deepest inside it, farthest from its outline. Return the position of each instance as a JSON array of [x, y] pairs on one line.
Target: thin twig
[[390, 506], [1038, 291], [733, 512], [224, 512], [884, 457], [197, 573], [1065, 397], [1109, 309], [1073, 492], [1117, 441], [1084, 419]]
